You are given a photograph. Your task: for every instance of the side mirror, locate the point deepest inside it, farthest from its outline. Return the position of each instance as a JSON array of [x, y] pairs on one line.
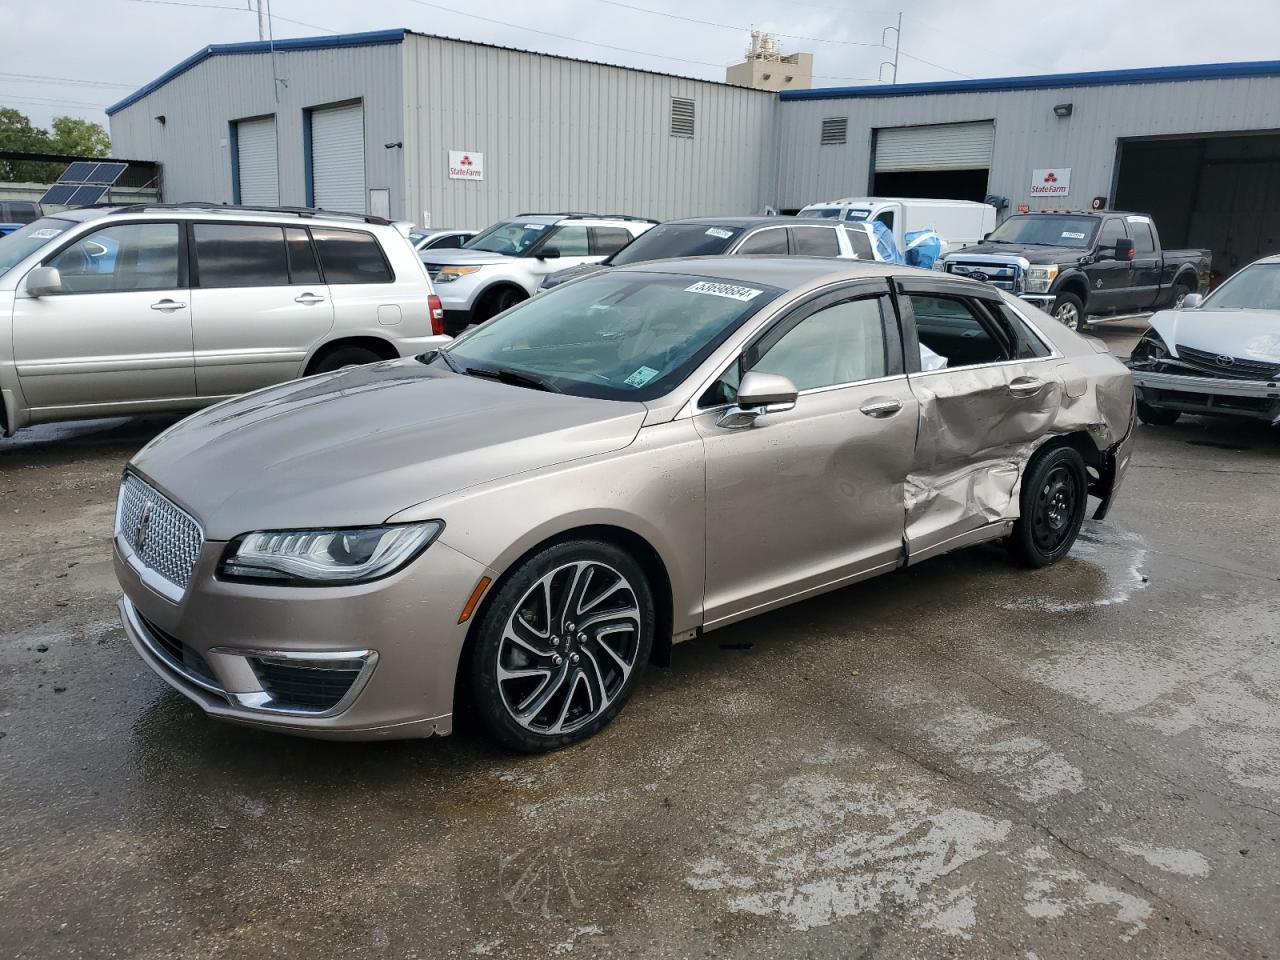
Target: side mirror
[[987, 236], [44, 282], [759, 393], [1124, 249], [1190, 301], [549, 253]]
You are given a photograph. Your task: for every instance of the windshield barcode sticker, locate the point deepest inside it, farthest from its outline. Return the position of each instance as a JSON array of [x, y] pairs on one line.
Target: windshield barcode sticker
[[1068, 235], [717, 232], [641, 377], [733, 292]]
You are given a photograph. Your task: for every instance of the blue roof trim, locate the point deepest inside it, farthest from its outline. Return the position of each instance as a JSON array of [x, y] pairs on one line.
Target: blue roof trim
[[371, 39], [1097, 78]]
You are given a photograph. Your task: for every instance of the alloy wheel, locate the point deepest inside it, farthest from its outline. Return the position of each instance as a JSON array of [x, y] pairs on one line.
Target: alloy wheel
[[1055, 509], [568, 647], [1068, 316]]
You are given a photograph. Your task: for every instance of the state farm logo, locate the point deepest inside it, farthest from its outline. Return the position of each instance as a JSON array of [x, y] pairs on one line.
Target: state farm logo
[[1051, 183], [1049, 177], [466, 161], [466, 165]]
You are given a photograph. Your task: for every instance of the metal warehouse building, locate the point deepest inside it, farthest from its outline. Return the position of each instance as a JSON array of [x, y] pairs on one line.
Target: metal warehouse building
[[461, 134]]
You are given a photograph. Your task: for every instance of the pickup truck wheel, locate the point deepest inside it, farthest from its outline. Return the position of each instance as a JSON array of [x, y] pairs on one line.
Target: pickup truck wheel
[[1157, 416], [1055, 495], [1068, 310]]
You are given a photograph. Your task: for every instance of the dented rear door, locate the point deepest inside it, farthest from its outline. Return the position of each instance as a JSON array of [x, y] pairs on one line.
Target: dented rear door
[[987, 398]]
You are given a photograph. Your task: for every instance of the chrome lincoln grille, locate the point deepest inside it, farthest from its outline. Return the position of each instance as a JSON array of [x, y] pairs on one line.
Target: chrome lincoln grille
[[162, 536]]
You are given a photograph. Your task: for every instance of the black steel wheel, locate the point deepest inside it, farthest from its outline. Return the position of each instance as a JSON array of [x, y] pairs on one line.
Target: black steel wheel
[[1055, 495], [560, 644]]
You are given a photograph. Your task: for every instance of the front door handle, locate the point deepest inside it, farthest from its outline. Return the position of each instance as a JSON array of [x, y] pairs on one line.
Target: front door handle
[[309, 299], [881, 407], [168, 306], [1025, 386]]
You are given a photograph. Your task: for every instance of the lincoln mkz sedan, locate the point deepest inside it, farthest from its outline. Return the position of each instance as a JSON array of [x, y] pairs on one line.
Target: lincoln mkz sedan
[[541, 508]]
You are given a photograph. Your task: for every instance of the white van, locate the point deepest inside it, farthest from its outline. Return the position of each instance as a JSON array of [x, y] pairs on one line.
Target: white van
[[959, 222]]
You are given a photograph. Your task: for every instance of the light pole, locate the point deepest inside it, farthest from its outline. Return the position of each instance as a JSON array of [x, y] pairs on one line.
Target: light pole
[[897, 46]]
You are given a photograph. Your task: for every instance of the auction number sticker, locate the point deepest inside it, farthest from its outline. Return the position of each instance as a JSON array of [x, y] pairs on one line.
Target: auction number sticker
[[43, 234], [717, 232], [641, 377], [533, 226], [729, 290], [1068, 235]]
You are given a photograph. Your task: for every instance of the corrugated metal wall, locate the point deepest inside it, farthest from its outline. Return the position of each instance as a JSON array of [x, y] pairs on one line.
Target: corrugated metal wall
[[1028, 135], [199, 105], [567, 135]]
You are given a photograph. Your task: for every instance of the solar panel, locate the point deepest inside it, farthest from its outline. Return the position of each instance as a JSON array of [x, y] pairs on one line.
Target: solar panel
[[107, 173], [87, 196], [59, 193], [78, 172]]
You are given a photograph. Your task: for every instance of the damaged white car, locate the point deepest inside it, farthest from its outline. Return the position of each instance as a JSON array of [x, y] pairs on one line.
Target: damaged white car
[[1219, 355]]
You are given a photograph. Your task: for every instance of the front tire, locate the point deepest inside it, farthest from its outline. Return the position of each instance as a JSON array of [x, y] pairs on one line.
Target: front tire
[[496, 302], [1157, 416], [1055, 495], [1068, 310], [560, 645]]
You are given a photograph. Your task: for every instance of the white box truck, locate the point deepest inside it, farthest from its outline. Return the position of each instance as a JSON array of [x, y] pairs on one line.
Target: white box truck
[[959, 222]]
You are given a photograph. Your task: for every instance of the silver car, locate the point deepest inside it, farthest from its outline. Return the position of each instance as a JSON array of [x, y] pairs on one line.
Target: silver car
[[105, 312], [1217, 355], [632, 459]]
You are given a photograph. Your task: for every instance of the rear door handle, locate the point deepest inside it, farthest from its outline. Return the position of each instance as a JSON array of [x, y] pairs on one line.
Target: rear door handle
[[1025, 386], [309, 299], [881, 407], [168, 306]]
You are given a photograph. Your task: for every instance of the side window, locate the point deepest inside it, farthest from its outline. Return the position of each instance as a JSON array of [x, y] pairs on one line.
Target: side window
[[240, 255], [887, 219], [860, 243], [606, 241], [1030, 345], [771, 241], [570, 241], [302, 256], [1143, 241], [1112, 230], [450, 241], [814, 242], [349, 256], [842, 343], [954, 333], [131, 256]]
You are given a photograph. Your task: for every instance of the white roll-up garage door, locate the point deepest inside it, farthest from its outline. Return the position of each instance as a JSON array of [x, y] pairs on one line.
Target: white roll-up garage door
[[943, 146], [259, 173], [337, 158]]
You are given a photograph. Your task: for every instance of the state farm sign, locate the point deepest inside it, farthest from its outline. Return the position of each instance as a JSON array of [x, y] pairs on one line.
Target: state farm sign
[[1051, 183], [465, 165]]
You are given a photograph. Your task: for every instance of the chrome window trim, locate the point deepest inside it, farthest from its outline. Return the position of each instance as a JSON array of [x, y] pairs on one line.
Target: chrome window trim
[[754, 233], [982, 366]]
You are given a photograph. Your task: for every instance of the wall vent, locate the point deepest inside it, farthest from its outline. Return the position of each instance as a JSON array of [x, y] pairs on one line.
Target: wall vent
[[835, 130], [681, 117]]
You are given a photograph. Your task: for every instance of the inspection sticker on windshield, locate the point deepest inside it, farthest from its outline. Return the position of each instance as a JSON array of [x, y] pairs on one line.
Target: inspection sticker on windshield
[[533, 226], [43, 234], [641, 377], [1068, 235], [732, 291], [717, 232]]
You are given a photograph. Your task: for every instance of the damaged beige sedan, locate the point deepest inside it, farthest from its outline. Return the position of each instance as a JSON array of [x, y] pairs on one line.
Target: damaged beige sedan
[[535, 512]]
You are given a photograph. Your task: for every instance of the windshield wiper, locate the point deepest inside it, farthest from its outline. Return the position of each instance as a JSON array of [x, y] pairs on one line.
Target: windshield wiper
[[513, 377]]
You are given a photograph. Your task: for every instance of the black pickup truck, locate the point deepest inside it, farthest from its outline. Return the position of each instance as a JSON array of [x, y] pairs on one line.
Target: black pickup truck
[[1075, 265]]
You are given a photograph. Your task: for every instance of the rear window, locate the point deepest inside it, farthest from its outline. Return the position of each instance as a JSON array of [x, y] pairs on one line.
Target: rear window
[[18, 211], [823, 213], [860, 242], [677, 240], [348, 256]]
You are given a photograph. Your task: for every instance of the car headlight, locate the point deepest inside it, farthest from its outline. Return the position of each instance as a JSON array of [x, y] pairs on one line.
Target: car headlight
[[1040, 278], [1150, 348], [316, 557], [450, 274]]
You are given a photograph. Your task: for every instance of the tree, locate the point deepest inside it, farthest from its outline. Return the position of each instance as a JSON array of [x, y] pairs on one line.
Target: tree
[[71, 136]]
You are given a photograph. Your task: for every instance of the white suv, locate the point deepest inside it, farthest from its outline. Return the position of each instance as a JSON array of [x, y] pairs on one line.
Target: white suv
[[106, 312], [506, 263]]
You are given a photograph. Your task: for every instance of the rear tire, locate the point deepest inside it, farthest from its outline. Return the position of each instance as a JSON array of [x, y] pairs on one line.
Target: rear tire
[[1055, 496], [1068, 310], [345, 357], [1157, 416], [560, 645]]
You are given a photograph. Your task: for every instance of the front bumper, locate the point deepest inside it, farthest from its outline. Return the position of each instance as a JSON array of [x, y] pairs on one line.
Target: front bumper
[[238, 649], [1220, 396], [1115, 466], [1042, 300]]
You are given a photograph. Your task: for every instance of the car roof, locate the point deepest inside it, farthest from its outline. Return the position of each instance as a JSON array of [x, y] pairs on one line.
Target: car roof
[[785, 272], [745, 222]]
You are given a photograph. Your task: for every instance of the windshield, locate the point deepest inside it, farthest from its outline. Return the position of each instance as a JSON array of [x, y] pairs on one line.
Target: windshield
[[676, 240], [1046, 231], [615, 336], [825, 213], [1253, 288], [512, 237], [20, 244]]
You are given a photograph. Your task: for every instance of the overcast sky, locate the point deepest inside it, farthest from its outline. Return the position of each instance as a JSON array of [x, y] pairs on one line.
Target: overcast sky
[[113, 46]]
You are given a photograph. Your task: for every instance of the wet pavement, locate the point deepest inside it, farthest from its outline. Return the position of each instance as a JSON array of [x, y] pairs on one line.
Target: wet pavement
[[962, 759]]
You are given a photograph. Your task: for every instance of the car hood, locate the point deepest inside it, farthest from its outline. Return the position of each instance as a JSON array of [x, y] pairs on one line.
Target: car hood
[[354, 447], [1032, 253], [1246, 334], [467, 257]]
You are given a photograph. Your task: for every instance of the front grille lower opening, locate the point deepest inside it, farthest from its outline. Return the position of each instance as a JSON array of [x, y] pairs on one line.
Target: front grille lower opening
[[306, 685]]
